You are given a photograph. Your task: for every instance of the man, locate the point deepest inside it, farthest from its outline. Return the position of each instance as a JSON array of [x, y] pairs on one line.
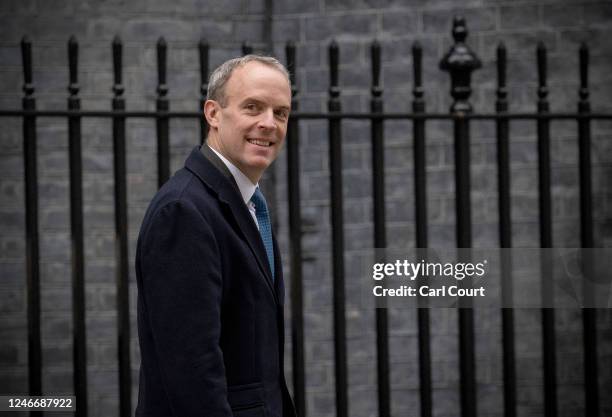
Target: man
[[210, 282]]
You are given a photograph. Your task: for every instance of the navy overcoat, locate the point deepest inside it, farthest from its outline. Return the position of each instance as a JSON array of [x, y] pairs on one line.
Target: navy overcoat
[[210, 316]]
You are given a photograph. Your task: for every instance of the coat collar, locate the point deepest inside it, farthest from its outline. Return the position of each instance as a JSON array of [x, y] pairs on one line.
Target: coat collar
[[213, 173], [246, 187]]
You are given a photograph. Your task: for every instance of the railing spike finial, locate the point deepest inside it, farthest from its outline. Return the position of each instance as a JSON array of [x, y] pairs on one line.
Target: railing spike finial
[[203, 52], [73, 59], [502, 91], [459, 31], [501, 64], [584, 73], [375, 54], [117, 66], [460, 61], [542, 73], [334, 54], [203, 49], [291, 66], [162, 88], [417, 67], [26, 55]]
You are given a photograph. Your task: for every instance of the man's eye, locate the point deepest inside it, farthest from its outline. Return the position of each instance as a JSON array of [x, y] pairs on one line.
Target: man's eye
[[251, 106], [282, 114]]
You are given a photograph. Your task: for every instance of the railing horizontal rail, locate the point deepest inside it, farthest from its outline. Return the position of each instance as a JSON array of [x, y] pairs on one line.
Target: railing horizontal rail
[[309, 115]]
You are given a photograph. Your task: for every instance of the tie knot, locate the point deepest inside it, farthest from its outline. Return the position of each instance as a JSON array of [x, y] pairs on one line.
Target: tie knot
[[259, 201]]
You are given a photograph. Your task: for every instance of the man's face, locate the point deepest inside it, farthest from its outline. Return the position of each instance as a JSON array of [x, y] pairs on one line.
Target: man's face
[[251, 128]]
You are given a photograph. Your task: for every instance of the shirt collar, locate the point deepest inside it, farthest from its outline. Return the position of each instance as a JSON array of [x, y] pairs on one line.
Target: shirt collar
[[246, 187]]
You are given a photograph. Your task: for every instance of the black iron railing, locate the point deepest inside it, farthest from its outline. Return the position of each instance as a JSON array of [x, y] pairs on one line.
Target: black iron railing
[[460, 62]]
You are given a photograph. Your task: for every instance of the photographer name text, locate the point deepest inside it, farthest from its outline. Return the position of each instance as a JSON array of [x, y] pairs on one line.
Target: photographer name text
[[406, 270]]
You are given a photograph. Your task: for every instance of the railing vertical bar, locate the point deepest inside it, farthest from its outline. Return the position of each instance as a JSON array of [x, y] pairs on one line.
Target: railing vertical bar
[[380, 235], [76, 228], [203, 49], [337, 222], [546, 241], [460, 61], [121, 237], [295, 233], [31, 232], [462, 178], [420, 197], [467, 362], [162, 122], [505, 236], [589, 315]]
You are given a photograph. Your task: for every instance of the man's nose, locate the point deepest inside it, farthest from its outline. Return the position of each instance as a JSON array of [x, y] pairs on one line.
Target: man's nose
[[267, 120]]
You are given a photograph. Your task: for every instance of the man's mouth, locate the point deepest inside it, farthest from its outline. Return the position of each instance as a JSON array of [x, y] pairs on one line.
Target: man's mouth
[[260, 142]]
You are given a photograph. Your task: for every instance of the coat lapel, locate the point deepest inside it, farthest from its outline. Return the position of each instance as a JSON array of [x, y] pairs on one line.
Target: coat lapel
[[212, 171]]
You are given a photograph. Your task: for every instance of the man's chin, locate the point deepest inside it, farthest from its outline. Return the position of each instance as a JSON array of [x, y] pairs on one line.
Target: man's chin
[[260, 162]]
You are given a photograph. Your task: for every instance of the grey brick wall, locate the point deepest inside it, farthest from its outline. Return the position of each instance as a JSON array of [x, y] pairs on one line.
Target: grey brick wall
[[561, 25], [396, 24]]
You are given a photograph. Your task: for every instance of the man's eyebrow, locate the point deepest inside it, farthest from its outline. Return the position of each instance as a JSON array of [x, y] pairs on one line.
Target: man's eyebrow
[[258, 101], [251, 99]]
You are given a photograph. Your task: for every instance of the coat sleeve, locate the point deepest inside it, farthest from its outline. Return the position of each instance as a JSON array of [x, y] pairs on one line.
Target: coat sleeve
[[182, 289]]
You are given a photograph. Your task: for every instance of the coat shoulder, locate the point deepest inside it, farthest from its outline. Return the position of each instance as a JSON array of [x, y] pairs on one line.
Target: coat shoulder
[[183, 188]]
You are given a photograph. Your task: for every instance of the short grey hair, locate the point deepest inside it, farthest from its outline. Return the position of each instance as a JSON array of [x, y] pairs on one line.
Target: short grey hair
[[220, 76]]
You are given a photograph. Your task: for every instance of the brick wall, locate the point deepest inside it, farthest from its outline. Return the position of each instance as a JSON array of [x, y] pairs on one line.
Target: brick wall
[[397, 24], [561, 25]]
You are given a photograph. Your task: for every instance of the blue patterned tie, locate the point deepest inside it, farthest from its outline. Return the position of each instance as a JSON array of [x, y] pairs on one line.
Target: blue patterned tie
[[265, 230]]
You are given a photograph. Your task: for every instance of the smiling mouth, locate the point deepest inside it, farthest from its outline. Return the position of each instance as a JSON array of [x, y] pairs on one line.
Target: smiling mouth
[[259, 142]]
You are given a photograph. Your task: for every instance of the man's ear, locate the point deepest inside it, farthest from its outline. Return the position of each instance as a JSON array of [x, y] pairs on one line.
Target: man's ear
[[211, 112]]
